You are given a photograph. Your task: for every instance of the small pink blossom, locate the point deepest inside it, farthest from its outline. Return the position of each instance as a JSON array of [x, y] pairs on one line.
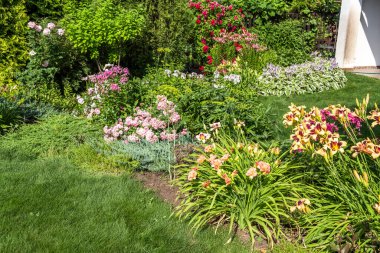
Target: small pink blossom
[[184, 131], [51, 26], [97, 111], [32, 25], [175, 117], [251, 173], [115, 87], [215, 126], [133, 138], [46, 31], [192, 174], [263, 167]]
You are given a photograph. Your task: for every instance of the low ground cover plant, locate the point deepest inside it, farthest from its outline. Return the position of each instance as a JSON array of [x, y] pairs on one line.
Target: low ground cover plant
[[149, 135], [314, 76]]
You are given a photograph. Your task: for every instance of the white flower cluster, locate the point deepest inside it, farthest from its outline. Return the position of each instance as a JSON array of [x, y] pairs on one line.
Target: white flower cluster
[[179, 74], [233, 78]]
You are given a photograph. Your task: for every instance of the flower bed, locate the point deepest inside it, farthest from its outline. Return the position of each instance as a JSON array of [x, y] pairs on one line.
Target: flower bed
[[326, 186]]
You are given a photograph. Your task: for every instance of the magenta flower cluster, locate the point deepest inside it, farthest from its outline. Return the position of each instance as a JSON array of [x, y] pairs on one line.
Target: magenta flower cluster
[[151, 125], [110, 74], [103, 83]]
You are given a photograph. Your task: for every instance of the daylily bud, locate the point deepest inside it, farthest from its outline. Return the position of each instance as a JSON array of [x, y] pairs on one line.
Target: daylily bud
[[365, 179], [357, 176]]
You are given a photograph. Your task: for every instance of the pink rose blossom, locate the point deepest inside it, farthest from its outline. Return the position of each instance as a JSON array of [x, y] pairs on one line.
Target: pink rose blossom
[[32, 25], [97, 111], [46, 31], [51, 26]]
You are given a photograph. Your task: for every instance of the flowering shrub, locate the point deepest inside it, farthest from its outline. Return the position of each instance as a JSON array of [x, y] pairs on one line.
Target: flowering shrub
[[345, 213], [236, 181], [314, 76], [109, 95], [54, 66], [216, 23], [150, 125]]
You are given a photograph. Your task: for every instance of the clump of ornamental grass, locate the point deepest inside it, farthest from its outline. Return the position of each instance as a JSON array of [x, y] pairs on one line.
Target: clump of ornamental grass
[[235, 181], [345, 215]]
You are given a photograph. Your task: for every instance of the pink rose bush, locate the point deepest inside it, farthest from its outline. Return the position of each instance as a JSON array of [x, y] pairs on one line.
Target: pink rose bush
[[152, 125]]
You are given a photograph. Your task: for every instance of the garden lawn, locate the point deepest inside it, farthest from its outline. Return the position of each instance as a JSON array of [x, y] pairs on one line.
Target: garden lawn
[[49, 203], [356, 87]]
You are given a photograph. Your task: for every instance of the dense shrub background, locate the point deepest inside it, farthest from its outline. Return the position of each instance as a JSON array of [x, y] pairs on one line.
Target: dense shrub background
[[288, 40], [167, 39], [13, 48]]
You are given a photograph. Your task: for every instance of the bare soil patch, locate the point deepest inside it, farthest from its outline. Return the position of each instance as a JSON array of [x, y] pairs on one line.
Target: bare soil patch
[[160, 183]]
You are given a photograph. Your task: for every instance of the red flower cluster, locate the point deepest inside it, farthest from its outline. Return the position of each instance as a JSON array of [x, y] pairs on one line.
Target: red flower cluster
[[209, 59], [215, 18]]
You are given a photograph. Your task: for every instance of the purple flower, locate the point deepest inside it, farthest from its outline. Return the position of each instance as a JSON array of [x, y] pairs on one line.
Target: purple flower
[[332, 127], [355, 120]]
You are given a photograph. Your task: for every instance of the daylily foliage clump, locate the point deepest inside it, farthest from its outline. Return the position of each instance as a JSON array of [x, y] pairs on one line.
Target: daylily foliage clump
[[324, 188], [236, 181]]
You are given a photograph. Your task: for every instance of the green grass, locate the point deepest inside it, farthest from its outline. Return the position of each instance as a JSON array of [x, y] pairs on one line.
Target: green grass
[[356, 87], [48, 205], [53, 201]]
